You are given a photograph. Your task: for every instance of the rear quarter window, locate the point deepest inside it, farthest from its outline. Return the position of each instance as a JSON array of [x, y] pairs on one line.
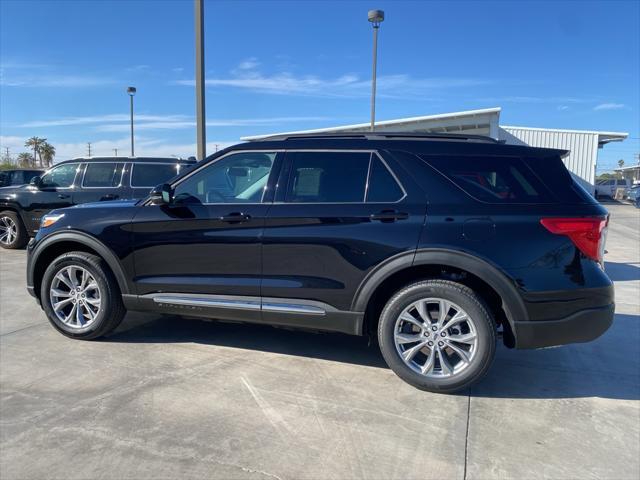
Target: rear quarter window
[[148, 175], [492, 179]]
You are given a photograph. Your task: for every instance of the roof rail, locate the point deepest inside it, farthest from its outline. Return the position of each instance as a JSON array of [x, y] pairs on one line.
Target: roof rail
[[381, 135]]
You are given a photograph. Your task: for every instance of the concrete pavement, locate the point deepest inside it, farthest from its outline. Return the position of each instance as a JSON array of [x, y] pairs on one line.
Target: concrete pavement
[[176, 398]]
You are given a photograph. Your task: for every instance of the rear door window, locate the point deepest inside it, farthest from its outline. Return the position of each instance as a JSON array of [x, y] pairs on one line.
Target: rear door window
[[492, 179], [328, 177], [102, 175], [148, 175]]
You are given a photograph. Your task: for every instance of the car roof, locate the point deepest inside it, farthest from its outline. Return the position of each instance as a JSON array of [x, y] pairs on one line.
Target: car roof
[[412, 142], [129, 160]]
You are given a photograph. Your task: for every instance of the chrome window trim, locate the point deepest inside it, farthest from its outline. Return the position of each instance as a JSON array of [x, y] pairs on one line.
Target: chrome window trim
[[73, 184], [86, 167], [133, 164], [294, 150]]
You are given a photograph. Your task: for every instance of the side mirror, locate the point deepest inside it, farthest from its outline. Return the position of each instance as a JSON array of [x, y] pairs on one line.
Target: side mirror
[[36, 181], [161, 195]]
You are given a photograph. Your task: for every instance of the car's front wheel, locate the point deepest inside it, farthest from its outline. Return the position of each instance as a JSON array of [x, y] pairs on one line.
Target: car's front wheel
[[81, 297], [13, 234], [437, 335]]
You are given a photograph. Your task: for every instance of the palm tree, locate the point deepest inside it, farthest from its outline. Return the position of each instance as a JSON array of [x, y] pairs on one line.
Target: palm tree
[[25, 159], [35, 143], [47, 152]]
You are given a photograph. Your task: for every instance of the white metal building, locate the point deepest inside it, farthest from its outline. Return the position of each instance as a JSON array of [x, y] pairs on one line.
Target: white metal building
[[582, 144]]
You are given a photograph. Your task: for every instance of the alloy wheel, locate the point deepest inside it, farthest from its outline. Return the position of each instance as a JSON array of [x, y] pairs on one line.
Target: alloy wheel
[[435, 338], [75, 297], [8, 230]]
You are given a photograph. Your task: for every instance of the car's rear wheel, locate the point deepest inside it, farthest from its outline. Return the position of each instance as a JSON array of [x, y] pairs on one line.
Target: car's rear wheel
[[81, 297], [437, 335], [13, 234]]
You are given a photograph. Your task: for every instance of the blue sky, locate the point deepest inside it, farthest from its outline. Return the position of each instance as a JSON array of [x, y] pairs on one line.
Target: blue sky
[[278, 66]]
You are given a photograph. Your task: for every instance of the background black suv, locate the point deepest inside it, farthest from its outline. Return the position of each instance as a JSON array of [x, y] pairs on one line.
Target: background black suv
[[432, 244], [78, 181], [18, 176]]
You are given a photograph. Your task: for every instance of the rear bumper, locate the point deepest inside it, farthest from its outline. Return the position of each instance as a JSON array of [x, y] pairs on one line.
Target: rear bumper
[[580, 327]]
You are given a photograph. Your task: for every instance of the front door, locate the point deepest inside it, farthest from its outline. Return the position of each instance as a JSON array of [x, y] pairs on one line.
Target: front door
[[204, 250], [337, 215], [55, 190]]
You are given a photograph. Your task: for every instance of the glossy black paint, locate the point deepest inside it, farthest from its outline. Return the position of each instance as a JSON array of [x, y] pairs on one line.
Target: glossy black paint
[[338, 254], [32, 202]]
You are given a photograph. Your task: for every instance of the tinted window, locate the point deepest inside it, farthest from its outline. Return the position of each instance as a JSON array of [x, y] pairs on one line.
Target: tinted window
[[29, 175], [60, 177], [493, 179], [102, 175], [328, 177], [5, 179], [236, 178], [152, 174], [382, 186]]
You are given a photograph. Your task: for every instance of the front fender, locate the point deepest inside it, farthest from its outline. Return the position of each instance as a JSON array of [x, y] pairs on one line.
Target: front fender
[[37, 250]]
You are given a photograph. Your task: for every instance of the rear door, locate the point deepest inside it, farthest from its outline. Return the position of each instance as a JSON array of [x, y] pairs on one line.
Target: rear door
[[99, 182], [337, 215]]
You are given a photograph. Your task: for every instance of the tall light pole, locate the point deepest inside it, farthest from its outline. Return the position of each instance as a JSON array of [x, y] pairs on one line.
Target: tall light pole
[[131, 91], [200, 113], [376, 17]]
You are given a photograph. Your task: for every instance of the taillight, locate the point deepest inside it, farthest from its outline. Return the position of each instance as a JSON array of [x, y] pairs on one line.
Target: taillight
[[588, 234]]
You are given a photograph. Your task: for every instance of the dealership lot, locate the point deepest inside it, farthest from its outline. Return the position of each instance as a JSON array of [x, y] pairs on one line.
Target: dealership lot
[[167, 397]]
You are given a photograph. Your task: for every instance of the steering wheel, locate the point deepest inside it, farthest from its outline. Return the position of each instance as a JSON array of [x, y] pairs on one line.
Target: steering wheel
[[218, 197]]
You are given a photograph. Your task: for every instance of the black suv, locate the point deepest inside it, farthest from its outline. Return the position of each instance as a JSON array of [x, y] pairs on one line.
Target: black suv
[[18, 176], [78, 181], [433, 244]]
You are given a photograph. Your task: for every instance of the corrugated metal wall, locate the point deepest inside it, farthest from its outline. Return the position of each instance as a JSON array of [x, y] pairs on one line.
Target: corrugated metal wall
[[583, 147]]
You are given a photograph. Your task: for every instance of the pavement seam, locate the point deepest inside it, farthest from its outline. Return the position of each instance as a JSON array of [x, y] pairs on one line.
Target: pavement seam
[[23, 328], [466, 436]]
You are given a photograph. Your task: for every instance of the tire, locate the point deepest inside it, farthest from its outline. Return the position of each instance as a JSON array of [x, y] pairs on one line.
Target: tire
[[437, 369], [100, 305], [13, 234]]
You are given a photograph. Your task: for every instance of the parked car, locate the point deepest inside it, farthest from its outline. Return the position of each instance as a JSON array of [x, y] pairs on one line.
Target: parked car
[[432, 244], [632, 193], [18, 176], [78, 181], [607, 188]]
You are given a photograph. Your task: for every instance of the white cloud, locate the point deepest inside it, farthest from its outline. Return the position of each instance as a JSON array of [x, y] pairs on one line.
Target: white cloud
[[14, 74], [87, 120], [120, 122], [563, 108], [246, 76], [610, 106], [249, 64]]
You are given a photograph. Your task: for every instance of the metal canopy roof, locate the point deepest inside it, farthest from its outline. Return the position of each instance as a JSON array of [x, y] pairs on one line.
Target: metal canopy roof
[[484, 119], [603, 137]]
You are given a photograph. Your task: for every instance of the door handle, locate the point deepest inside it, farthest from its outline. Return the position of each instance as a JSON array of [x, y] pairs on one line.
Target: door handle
[[235, 217], [389, 216], [63, 195], [109, 196]]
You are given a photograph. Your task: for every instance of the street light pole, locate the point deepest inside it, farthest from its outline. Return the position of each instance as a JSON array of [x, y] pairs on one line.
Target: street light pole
[[131, 91], [200, 112], [376, 17]]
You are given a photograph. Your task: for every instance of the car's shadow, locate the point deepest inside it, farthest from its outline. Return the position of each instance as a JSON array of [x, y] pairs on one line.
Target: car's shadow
[[622, 272], [607, 368]]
